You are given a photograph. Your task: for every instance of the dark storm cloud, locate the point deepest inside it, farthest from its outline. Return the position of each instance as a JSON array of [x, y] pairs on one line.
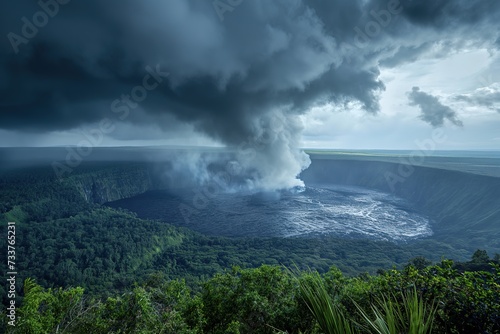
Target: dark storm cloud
[[264, 55], [441, 27], [442, 13], [432, 110], [239, 76], [222, 74]]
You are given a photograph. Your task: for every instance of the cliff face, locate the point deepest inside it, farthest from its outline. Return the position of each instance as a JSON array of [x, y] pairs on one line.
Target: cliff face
[[112, 183], [456, 201]]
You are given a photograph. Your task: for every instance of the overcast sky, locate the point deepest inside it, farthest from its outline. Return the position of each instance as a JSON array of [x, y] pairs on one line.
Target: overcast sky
[[346, 74]]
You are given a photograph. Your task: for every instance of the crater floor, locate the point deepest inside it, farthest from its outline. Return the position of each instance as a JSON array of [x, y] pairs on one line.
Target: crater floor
[[312, 211]]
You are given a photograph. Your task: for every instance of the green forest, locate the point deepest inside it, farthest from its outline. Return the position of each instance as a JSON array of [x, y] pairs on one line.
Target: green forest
[[270, 299], [87, 268]]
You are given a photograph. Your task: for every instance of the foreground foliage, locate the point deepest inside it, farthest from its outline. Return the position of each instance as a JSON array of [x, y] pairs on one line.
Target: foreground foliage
[[268, 299], [411, 316]]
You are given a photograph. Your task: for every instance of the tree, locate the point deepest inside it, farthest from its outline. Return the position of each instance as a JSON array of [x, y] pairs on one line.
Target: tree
[[44, 311], [496, 258], [419, 262], [480, 257]]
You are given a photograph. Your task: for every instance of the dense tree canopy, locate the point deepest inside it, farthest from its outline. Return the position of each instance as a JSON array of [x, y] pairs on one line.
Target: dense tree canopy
[[269, 299], [65, 240]]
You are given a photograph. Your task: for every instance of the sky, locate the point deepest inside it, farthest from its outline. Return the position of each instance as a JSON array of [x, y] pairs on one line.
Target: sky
[[283, 74]]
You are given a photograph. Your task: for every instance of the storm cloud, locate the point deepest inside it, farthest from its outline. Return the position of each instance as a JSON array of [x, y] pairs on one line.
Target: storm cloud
[[229, 74]]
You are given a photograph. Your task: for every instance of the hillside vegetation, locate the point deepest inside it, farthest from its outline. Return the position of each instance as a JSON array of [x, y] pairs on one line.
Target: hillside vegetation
[[66, 238], [433, 299]]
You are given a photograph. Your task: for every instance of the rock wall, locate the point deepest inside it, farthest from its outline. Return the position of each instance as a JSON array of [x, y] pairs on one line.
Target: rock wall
[[456, 201], [112, 183]]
